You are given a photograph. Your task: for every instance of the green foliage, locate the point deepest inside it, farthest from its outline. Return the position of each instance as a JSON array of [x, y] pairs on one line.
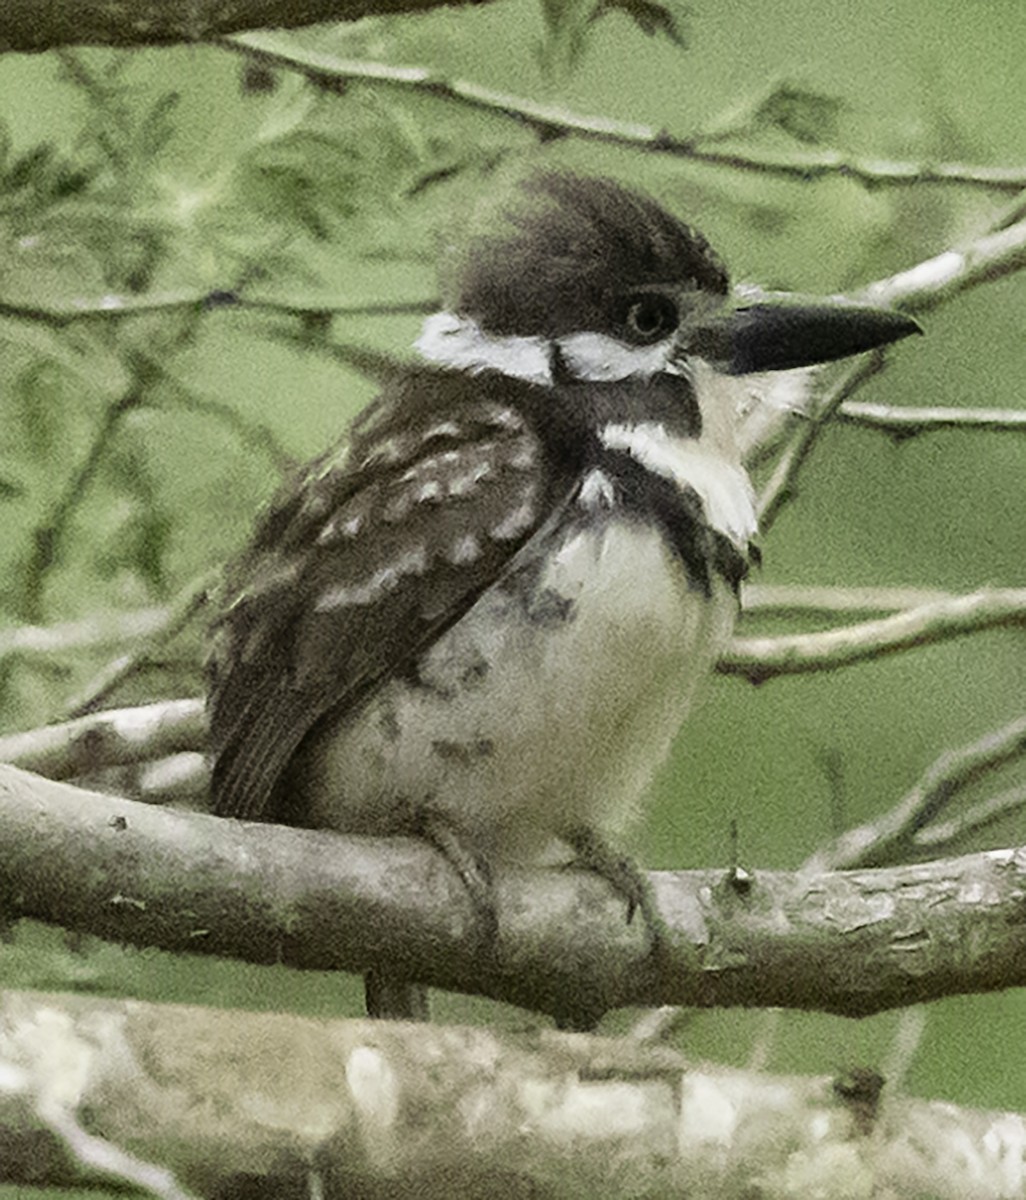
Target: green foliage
[[569, 24], [136, 446], [808, 116]]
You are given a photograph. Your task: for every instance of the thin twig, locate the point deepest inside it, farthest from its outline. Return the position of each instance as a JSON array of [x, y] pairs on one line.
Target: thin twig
[[114, 306], [254, 434], [178, 614], [373, 364], [795, 600], [552, 120], [941, 836], [904, 422], [919, 289], [935, 281], [70, 636], [762, 658], [782, 485], [49, 534], [892, 837]]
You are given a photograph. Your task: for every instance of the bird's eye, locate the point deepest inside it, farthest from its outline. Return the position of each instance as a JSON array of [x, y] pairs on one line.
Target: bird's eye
[[648, 318]]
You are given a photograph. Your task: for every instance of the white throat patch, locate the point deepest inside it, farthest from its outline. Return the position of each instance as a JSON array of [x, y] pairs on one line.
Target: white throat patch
[[724, 488], [454, 341]]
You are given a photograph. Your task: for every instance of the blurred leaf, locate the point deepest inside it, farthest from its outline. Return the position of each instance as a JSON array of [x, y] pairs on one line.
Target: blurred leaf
[[808, 116], [653, 19], [39, 177], [569, 22], [303, 176]]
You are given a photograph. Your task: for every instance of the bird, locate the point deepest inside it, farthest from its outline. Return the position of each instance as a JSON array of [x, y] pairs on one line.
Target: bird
[[483, 615]]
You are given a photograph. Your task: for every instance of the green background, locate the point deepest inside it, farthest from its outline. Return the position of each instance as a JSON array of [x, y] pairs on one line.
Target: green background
[[299, 192]]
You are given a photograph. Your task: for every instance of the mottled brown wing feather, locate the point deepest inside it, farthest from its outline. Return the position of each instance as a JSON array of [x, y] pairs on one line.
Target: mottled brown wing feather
[[380, 547]]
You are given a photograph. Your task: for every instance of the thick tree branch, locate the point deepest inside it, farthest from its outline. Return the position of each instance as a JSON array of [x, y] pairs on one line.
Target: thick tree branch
[[32, 25], [851, 943], [274, 1104]]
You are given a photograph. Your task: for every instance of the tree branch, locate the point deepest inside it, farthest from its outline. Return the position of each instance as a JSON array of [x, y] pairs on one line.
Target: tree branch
[[101, 629], [919, 289], [271, 1103], [553, 121], [115, 306], [33, 25], [116, 737], [911, 823], [795, 600], [906, 422], [192, 599], [120, 737], [762, 658], [850, 943]]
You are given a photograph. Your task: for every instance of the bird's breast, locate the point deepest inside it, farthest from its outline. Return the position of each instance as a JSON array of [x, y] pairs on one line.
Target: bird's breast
[[547, 706]]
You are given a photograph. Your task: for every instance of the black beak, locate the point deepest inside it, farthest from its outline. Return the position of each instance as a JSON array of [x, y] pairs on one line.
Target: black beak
[[783, 331]]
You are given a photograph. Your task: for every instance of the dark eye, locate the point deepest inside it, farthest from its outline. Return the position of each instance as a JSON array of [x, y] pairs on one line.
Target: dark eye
[[648, 318]]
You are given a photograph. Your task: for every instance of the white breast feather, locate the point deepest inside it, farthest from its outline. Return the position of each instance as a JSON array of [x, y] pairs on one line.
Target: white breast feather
[[566, 725]]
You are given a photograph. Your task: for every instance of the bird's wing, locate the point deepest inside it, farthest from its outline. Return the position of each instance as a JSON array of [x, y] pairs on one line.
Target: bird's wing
[[380, 547]]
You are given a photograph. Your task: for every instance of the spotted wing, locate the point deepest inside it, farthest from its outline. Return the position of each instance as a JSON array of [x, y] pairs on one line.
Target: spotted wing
[[378, 549]]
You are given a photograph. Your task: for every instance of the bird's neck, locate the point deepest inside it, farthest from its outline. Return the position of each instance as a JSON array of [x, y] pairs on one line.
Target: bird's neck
[[679, 423]]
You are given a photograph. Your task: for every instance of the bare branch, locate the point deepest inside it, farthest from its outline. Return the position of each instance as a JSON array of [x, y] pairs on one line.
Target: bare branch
[[762, 658], [190, 601], [409, 1110], [97, 1154], [910, 422], [116, 306], [553, 121], [191, 882], [49, 534], [113, 738], [68, 636], [801, 601], [940, 837], [939, 279], [780, 489], [33, 25], [893, 836], [919, 289]]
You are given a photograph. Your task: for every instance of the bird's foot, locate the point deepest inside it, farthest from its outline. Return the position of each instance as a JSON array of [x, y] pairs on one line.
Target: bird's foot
[[473, 870], [623, 875]]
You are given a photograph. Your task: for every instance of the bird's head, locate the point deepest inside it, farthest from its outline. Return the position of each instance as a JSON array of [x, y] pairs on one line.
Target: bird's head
[[582, 277]]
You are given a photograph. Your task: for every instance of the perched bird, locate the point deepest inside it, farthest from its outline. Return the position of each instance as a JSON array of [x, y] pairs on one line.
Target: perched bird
[[483, 615]]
